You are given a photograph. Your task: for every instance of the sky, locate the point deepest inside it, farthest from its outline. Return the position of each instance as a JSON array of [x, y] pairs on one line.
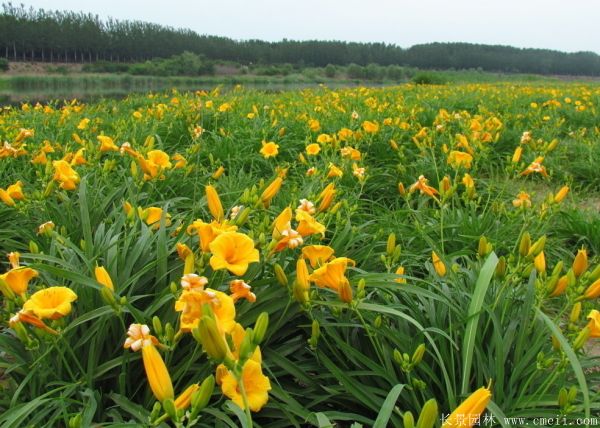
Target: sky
[[568, 26]]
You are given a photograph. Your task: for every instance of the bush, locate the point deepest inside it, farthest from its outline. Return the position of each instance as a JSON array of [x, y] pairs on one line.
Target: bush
[[185, 64], [428, 79], [3, 64], [356, 71], [106, 67], [330, 71]]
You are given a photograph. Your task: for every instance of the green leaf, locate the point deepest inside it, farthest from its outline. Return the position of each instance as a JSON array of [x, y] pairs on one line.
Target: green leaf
[[388, 407], [481, 286]]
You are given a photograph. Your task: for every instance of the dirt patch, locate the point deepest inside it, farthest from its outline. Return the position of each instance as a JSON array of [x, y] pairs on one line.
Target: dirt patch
[[36, 68]]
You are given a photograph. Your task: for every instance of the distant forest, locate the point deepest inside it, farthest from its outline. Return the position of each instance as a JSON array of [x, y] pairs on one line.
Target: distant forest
[[28, 34]]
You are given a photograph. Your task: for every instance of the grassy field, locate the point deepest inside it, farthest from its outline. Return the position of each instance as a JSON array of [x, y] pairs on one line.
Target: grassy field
[[400, 256]]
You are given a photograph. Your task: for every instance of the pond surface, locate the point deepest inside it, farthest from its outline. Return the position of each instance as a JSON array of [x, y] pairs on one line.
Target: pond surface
[[44, 91]]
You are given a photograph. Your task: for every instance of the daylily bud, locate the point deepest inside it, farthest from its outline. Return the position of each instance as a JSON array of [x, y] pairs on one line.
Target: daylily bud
[[575, 312], [582, 337], [214, 203], [540, 262], [170, 409], [391, 244], [315, 333], [418, 354], [189, 266], [201, 397], [482, 247], [157, 374], [157, 325], [242, 217], [593, 290], [210, 338], [525, 244], [260, 327], [560, 286], [537, 247], [247, 347], [429, 415], [438, 264], [501, 267], [563, 398], [408, 420], [595, 274], [184, 399], [561, 194], [580, 264], [280, 275]]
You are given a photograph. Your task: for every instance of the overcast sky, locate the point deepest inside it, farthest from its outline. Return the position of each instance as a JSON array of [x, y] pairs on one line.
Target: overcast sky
[[572, 25]]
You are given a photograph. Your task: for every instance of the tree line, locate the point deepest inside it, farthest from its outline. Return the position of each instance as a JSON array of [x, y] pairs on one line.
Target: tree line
[[28, 34]]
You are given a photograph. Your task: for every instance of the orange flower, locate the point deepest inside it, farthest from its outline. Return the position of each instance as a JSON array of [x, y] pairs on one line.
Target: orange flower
[[18, 279], [240, 290], [594, 324], [331, 274], [191, 304], [317, 254], [421, 184], [523, 200], [370, 127], [536, 166], [307, 225]]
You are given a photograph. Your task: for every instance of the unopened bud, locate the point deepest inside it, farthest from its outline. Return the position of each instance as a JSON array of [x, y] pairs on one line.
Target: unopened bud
[[157, 325], [408, 420], [391, 244], [575, 313], [537, 247], [170, 409], [525, 244], [280, 275], [501, 267], [418, 354], [33, 247], [429, 415], [563, 398], [201, 397], [210, 338], [260, 327], [482, 247], [582, 337]]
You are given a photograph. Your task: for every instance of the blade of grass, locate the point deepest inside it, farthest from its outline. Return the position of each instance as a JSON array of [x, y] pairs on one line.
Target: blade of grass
[[481, 286]]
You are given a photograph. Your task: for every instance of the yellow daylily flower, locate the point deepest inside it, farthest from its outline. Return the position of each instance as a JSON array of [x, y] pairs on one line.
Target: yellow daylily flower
[[256, 386], [233, 251], [51, 303]]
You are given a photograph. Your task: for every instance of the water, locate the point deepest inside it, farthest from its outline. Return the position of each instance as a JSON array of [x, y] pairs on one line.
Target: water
[[64, 88]]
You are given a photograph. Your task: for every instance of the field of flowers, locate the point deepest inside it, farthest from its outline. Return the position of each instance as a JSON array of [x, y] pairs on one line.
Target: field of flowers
[[414, 256]]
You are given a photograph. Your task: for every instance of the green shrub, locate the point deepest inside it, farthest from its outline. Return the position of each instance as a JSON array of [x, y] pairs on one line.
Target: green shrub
[[427, 78]]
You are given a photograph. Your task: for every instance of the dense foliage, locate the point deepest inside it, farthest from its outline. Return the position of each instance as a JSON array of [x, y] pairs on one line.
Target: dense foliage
[[28, 34], [414, 248]]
